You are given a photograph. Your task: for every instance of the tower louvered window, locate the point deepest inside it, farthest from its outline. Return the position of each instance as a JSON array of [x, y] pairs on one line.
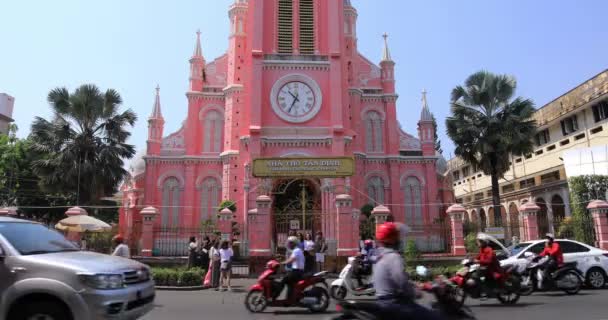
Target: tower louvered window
[[285, 19], [307, 22]]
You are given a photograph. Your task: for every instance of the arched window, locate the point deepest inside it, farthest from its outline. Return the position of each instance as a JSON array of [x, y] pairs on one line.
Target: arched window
[[375, 190], [213, 127], [171, 202], [211, 191], [413, 201], [373, 132]]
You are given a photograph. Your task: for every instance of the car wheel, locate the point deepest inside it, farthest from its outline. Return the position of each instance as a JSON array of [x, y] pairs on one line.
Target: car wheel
[[596, 278], [41, 310]]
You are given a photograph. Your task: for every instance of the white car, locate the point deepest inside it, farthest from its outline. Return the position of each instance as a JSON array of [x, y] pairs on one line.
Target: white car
[[592, 262]]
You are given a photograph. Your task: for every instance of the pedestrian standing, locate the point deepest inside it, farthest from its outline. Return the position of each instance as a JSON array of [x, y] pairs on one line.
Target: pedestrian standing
[[204, 253], [309, 253], [214, 256], [121, 250], [192, 251], [226, 255], [320, 249], [301, 240]]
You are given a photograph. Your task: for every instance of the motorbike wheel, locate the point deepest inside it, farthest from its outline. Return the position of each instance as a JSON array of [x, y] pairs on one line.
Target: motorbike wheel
[[576, 280], [528, 288], [256, 301], [459, 296], [322, 300], [338, 292], [510, 295]]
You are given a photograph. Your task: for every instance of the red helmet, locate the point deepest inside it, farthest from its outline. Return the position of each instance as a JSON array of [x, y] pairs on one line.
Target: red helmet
[[118, 238], [368, 242], [388, 233], [273, 265]]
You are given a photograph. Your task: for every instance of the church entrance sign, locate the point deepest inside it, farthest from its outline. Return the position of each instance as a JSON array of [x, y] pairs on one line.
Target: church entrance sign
[[304, 167]]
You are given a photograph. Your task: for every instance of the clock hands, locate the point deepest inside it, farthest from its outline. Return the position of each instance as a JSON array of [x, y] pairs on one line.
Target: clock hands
[[295, 99]]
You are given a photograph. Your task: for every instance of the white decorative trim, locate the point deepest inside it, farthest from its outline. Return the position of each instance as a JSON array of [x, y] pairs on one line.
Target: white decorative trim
[[309, 82], [202, 113], [208, 174], [378, 173], [412, 173], [373, 108], [171, 174]]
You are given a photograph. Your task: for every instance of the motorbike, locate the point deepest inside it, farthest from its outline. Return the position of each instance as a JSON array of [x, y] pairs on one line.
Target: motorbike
[[310, 292], [470, 280], [346, 282], [526, 286], [446, 295], [566, 278]]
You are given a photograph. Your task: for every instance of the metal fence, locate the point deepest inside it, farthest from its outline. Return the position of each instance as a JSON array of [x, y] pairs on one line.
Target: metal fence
[[173, 242]]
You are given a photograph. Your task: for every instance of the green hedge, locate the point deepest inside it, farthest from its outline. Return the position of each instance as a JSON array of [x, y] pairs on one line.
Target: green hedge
[[583, 189], [435, 271], [179, 277]]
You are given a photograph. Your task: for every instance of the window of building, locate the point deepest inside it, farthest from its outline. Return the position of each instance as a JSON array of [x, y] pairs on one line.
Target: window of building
[[171, 202], [211, 192], [307, 22], [285, 27], [549, 177], [373, 132], [508, 188], [600, 111], [466, 171], [539, 152], [456, 175], [375, 190], [579, 136], [569, 125], [528, 156], [518, 160], [551, 147], [213, 127], [596, 130], [542, 137], [411, 153], [413, 202], [479, 196], [489, 193], [526, 183], [564, 142]]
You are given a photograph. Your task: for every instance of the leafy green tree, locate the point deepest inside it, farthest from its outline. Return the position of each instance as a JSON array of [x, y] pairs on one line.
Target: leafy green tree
[[83, 146], [584, 189], [437, 141], [488, 126], [231, 205]]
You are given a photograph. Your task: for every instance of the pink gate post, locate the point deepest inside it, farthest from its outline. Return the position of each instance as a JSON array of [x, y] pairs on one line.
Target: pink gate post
[[599, 212], [380, 214], [349, 226], [8, 211], [456, 213], [148, 216], [529, 211], [258, 225], [224, 223]]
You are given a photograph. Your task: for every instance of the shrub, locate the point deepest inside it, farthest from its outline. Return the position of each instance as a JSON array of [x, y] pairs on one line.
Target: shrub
[[434, 271], [411, 251], [179, 277], [583, 189], [470, 242], [227, 204]]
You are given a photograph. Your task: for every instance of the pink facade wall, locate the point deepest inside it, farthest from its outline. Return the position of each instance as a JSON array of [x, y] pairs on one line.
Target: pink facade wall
[[238, 85]]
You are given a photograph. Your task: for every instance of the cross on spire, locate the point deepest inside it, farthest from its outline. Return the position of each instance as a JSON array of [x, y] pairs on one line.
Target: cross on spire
[[156, 112], [386, 54], [198, 52], [425, 114]]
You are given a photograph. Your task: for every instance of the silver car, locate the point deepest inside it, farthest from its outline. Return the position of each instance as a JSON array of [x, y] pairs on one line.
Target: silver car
[[45, 276]]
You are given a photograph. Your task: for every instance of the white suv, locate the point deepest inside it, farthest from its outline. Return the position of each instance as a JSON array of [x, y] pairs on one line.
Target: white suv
[[592, 262]]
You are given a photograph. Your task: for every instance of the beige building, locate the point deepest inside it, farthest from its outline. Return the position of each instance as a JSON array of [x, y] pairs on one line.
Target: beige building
[[576, 120], [6, 112]]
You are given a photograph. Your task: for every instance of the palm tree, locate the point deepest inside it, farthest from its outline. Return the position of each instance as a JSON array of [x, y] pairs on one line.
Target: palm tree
[[488, 126], [83, 147]]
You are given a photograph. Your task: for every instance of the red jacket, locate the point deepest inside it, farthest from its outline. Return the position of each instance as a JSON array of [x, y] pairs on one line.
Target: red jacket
[[555, 252], [488, 259]]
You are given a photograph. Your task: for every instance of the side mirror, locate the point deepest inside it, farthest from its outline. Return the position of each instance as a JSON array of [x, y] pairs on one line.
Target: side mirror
[[528, 254], [422, 271]]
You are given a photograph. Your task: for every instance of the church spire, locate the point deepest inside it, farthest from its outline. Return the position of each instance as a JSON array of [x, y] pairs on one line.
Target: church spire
[[386, 54], [425, 114], [156, 111], [198, 52]]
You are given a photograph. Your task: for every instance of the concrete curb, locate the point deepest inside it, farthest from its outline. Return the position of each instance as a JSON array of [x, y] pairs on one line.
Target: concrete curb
[[167, 288]]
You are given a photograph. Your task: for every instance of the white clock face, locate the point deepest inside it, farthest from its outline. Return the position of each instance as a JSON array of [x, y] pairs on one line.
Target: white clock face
[[296, 98]]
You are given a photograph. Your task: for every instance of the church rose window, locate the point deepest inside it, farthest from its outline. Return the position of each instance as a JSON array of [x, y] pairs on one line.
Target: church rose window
[[210, 198], [373, 132], [171, 202], [413, 201], [375, 190]]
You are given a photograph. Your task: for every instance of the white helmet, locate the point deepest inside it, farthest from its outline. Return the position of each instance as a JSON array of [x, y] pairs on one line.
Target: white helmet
[[293, 239], [482, 237]]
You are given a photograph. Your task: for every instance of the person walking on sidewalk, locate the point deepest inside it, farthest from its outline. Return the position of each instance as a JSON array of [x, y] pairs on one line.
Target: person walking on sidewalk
[[226, 255], [214, 256], [320, 249]]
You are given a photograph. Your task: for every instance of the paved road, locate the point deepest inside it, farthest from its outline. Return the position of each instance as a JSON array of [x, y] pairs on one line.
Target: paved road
[[588, 305]]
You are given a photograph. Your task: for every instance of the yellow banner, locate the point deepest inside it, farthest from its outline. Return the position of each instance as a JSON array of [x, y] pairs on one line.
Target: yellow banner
[[304, 167]]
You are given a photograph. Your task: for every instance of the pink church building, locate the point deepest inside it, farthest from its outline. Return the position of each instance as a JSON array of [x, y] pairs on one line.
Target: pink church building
[[292, 85]]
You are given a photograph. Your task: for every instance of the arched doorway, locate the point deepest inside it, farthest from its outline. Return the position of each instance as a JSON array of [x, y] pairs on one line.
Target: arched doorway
[[542, 218], [483, 220], [514, 223], [296, 208], [559, 213]]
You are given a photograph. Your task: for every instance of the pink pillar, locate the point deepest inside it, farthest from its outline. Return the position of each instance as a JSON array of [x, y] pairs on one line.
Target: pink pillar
[[74, 211], [528, 212], [456, 213], [599, 212], [259, 228], [380, 214], [349, 226], [224, 223], [148, 216], [8, 211]]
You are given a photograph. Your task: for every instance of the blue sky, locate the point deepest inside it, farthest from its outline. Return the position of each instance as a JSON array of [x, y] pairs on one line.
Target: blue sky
[[550, 46]]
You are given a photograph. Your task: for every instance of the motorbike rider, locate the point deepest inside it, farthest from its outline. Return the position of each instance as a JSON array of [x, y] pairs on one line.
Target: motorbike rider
[[296, 262], [396, 295], [366, 259], [488, 261], [554, 252]]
